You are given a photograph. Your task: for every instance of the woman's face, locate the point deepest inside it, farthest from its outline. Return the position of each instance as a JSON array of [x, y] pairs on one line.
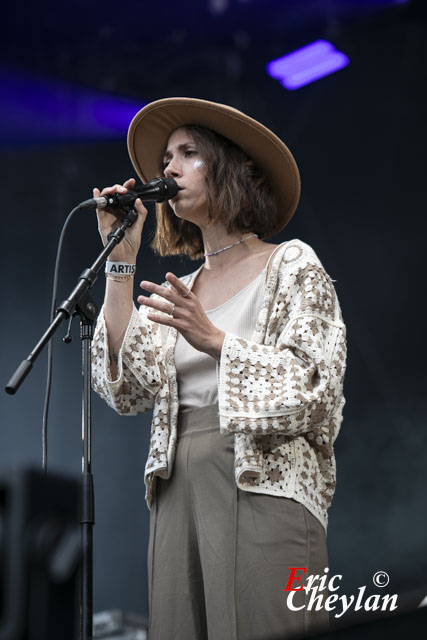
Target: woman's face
[[183, 162]]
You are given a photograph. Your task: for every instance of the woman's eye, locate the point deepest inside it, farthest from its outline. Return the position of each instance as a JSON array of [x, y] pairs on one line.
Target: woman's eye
[[188, 153]]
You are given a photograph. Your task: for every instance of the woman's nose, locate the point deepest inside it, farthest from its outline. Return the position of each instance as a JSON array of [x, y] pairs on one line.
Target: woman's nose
[[172, 170]]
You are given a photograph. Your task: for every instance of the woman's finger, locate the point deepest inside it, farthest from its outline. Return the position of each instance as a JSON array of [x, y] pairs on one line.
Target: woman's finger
[[164, 292], [121, 188], [178, 285], [166, 320], [158, 305], [117, 188], [140, 207]]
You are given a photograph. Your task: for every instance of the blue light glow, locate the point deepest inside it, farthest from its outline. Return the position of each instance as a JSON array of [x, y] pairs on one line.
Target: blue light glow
[[305, 65], [40, 110]]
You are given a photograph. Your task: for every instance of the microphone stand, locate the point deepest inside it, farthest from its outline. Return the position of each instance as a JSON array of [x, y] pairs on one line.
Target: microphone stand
[[80, 303]]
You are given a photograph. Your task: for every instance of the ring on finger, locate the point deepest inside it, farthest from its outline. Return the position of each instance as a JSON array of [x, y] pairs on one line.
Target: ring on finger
[[185, 295], [172, 310]]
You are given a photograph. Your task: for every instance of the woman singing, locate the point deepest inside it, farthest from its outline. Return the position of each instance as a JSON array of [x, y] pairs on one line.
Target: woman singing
[[242, 363]]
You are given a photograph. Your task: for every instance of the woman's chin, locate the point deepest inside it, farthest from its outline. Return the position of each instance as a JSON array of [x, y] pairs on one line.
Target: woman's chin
[[181, 214], [185, 215]]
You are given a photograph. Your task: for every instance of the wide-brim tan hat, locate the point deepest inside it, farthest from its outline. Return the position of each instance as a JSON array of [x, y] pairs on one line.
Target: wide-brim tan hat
[[151, 127]]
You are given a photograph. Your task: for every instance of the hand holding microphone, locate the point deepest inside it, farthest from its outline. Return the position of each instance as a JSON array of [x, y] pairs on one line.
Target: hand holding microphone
[[157, 190], [111, 201], [109, 218]]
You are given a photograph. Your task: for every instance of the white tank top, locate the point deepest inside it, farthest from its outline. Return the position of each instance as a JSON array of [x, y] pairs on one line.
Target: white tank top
[[197, 371]]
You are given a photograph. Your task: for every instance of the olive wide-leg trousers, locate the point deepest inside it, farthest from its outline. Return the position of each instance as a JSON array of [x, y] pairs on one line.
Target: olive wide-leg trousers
[[219, 557]]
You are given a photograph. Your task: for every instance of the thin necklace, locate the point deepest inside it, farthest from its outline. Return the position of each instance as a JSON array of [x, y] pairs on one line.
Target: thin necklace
[[213, 253]]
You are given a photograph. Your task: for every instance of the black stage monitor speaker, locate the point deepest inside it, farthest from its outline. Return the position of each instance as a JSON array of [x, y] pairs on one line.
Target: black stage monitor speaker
[[40, 553]]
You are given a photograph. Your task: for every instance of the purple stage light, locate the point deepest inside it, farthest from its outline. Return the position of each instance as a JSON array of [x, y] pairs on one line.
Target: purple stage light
[[41, 110], [305, 65]]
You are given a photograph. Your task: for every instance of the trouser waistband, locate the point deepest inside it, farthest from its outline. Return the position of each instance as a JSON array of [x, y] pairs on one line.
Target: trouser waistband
[[200, 419]]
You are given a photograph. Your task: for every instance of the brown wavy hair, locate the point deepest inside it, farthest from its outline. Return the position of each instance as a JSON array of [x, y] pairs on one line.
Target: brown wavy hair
[[237, 192]]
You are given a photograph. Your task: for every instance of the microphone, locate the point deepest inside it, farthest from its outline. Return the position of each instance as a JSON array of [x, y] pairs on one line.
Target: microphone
[[158, 190]]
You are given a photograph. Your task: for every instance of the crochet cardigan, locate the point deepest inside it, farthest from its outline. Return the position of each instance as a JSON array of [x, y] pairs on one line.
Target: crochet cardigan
[[280, 393]]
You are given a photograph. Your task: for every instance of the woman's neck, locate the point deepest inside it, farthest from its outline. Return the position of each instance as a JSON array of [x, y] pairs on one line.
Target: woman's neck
[[216, 237]]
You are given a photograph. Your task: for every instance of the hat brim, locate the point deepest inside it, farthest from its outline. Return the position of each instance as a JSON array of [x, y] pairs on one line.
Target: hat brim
[[151, 127]]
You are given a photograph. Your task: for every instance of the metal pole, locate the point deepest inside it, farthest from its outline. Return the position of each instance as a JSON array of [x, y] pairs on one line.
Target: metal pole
[[88, 506]]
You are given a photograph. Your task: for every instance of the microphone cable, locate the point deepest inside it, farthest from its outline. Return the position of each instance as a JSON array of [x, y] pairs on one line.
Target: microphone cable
[[50, 343]]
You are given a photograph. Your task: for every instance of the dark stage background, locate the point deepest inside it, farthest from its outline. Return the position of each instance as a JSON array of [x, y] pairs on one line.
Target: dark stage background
[[359, 137]]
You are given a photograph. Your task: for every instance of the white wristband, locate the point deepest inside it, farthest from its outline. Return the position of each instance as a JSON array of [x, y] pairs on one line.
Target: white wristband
[[120, 268]]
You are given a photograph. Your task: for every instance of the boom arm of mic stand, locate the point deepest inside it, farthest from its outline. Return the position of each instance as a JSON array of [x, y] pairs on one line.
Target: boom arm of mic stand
[[68, 306]]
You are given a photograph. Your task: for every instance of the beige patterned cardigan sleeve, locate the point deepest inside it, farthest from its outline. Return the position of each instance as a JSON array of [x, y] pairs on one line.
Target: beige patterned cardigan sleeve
[[281, 393], [289, 379], [140, 368]]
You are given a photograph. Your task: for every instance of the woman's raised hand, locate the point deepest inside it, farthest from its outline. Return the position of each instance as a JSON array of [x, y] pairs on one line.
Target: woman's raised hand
[[110, 218], [185, 313]]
